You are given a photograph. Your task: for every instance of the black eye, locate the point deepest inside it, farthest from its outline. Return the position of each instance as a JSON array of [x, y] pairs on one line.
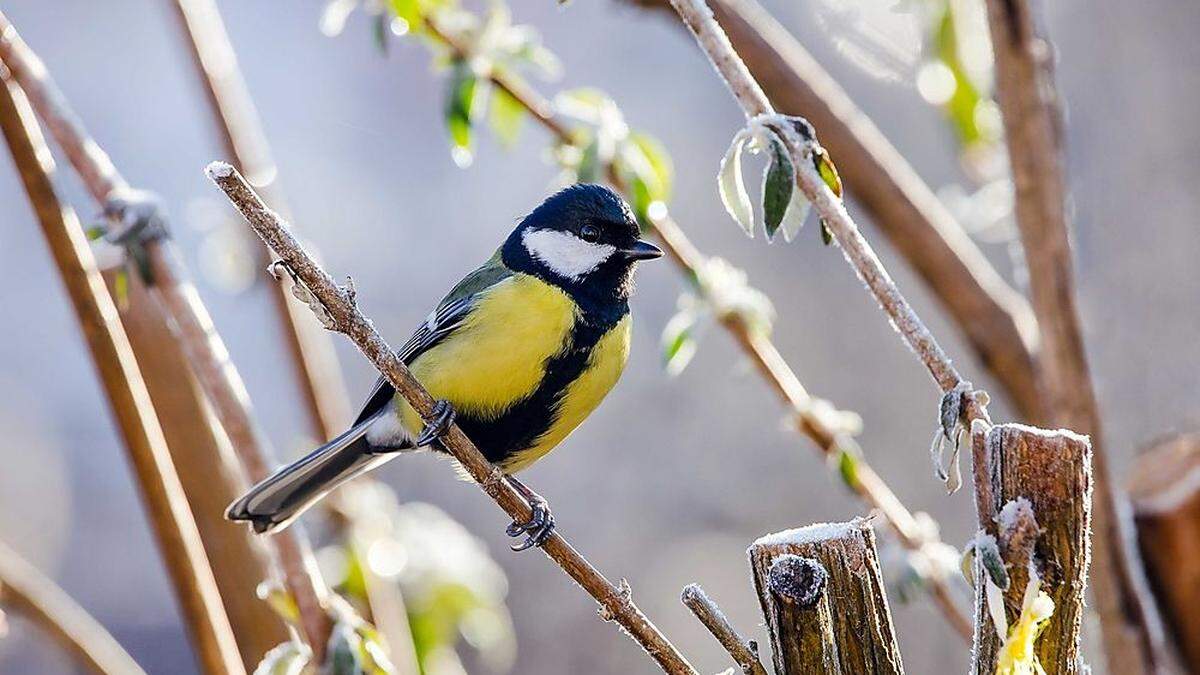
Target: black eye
[[589, 233]]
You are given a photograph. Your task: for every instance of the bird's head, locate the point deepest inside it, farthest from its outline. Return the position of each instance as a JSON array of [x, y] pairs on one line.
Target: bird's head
[[583, 238]]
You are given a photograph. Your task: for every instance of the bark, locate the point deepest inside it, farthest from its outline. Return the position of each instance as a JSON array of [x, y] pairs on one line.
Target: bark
[[743, 653], [822, 595]]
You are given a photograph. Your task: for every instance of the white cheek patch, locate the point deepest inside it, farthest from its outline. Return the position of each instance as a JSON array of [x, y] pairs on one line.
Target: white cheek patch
[[564, 253]]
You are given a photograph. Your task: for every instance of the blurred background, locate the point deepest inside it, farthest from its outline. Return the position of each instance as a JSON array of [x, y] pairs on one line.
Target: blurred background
[[672, 477]]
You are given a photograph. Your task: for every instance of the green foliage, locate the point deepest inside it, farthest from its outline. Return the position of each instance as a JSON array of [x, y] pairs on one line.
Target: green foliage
[[679, 341], [848, 468], [460, 110], [778, 183], [783, 206], [969, 106], [505, 115]]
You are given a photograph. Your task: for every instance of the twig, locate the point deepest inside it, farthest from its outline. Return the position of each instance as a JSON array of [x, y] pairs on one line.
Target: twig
[[241, 135], [340, 304], [37, 597], [996, 320], [174, 528], [744, 654], [759, 348], [180, 300], [1033, 496], [1165, 491], [822, 595], [1025, 92]]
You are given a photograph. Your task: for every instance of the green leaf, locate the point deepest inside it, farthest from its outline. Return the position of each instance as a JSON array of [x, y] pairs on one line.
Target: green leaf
[[826, 233], [827, 170], [778, 184], [678, 342], [505, 115], [121, 288], [656, 170], [410, 11], [460, 107], [95, 232], [732, 187], [345, 649], [288, 658], [848, 468], [588, 170]]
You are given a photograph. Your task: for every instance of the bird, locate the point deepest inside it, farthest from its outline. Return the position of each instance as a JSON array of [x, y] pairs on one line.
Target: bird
[[518, 354]]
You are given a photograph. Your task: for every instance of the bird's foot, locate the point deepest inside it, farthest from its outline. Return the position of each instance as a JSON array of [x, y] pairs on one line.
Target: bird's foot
[[437, 424], [540, 525]]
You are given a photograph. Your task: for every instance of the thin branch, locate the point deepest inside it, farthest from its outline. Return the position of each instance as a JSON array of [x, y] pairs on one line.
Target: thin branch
[[1025, 92], [36, 596], [340, 304], [240, 131], [175, 530], [858, 252], [743, 653], [995, 319], [759, 348], [180, 300]]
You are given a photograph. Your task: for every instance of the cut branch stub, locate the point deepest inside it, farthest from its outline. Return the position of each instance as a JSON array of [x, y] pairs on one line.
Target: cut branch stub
[[822, 594], [1034, 495], [1165, 492]]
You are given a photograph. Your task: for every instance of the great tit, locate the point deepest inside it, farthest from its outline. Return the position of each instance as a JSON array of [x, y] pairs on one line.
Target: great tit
[[519, 352]]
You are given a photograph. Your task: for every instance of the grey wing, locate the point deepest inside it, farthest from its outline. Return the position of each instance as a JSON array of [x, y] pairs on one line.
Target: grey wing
[[444, 320]]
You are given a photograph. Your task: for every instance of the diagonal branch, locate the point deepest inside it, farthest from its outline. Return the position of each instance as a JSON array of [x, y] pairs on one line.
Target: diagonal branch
[[1025, 92], [995, 319], [166, 505], [744, 653], [38, 598], [178, 299], [339, 303], [830, 439]]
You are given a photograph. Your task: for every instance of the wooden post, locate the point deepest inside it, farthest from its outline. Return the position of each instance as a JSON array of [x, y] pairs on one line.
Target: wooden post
[[822, 595], [1165, 493], [1051, 471], [208, 471]]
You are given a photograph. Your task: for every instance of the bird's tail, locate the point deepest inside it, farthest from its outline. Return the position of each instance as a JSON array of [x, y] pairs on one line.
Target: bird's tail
[[276, 501]]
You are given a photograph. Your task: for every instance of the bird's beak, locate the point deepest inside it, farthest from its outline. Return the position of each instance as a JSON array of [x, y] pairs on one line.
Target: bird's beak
[[642, 250]]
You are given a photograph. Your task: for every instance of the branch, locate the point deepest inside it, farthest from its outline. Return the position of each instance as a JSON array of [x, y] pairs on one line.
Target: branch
[[339, 303], [1025, 92], [995, 319], [831, 440], [822, 595], [204, 460], [1165, 492], [744, 653], [175, 530], [236, 120], [180, 300], [1033, 498], [37, 597]]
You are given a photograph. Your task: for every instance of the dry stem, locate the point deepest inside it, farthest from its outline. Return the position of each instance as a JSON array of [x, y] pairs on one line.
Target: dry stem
[[340, 304], [174, 528], [744, 653], [179, 299], [759, 348], [1025, 92], [36, 596]]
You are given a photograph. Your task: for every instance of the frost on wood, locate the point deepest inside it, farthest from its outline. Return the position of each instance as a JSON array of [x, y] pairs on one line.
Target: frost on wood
[[823, 598], [1033, 494], [1165, 494]]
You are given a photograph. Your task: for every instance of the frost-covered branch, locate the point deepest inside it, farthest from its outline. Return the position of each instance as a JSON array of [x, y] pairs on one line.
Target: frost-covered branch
[[996, 320], [167, 508], [24, 589], [823, 598], [135, 217], [340, 306], [811, 414], [1026, 94], [743, 653]]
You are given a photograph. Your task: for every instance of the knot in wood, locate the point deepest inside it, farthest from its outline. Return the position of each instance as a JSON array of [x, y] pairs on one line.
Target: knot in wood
[[797, 579]]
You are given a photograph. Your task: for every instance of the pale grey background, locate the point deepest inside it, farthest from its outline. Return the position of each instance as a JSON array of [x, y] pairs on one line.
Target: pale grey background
[[670, 479]]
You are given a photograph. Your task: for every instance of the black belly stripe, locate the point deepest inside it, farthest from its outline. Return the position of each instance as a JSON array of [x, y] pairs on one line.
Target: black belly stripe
[[519, 427]]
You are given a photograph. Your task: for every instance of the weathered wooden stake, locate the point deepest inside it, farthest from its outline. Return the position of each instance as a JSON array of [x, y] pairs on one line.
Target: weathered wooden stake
[[1165, 493], [1052, 471], [822, 595]]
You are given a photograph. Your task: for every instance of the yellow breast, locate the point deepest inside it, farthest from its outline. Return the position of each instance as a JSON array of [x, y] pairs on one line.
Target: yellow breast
[[498, 356], [603, 369]]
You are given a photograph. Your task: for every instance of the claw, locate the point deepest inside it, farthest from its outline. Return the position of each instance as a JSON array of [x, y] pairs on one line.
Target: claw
[[438, 423], [540, 525]]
